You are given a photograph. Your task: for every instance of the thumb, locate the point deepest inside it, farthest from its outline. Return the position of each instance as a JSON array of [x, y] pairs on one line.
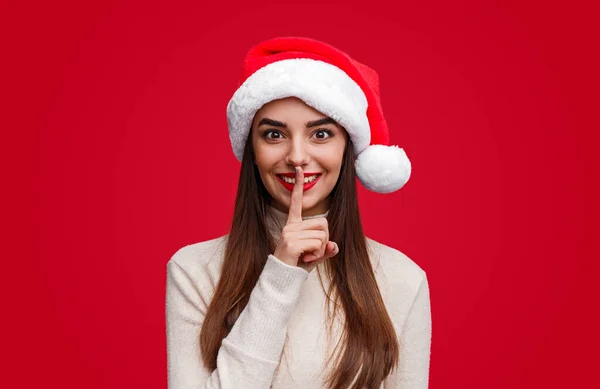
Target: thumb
[[331, 250]]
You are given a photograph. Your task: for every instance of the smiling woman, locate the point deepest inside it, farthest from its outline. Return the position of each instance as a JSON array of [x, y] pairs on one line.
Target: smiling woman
[[288, 133], [295, 295]]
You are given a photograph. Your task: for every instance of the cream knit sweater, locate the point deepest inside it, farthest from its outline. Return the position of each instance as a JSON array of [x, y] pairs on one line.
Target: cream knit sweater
[[281, 340]]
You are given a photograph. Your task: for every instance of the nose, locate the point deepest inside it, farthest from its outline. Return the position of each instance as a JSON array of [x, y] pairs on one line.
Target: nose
[[298, 154]]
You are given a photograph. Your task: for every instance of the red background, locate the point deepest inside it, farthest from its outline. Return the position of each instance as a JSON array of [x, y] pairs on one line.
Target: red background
[[116, 154]]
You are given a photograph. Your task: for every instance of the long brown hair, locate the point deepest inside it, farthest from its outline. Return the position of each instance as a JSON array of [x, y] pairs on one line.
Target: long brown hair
[[370, 344]]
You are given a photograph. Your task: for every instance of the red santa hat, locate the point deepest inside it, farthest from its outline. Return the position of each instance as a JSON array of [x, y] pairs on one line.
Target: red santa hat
[[334, 84]]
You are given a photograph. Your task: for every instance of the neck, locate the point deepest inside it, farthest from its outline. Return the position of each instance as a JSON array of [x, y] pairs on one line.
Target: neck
[[277, 219], [318, 210]]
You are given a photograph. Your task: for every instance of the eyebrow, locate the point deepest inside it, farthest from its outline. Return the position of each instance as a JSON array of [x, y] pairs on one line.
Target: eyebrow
[[320, 122], [271, 122], [314, 123]]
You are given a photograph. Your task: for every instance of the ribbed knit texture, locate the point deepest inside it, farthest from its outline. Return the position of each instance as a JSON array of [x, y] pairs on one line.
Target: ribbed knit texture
[[281, 338]]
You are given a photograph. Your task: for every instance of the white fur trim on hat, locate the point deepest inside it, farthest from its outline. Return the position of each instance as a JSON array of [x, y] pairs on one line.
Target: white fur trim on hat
[[383, 169], [323, 86]]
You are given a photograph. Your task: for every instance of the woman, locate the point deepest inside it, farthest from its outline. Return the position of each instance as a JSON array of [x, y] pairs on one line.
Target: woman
[[295, 296]]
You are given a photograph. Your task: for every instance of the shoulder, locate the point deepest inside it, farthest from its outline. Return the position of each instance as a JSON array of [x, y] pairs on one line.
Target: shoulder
[[398, 276], [201, 261], [393, 262]]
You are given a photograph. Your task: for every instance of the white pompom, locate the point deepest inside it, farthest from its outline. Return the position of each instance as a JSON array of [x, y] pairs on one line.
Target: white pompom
[[383, 169]]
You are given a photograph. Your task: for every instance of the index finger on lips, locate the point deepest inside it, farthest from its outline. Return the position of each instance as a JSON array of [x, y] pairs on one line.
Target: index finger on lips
[[295, 212]]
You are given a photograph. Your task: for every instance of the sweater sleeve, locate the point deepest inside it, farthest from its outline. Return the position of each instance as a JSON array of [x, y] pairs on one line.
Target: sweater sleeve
[[415, 345], [250, 353]]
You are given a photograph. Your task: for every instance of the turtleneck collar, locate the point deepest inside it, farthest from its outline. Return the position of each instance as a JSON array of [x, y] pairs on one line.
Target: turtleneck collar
[[276, 220]]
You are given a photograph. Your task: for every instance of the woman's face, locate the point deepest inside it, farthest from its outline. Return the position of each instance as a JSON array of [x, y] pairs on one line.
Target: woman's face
[[288, 133]]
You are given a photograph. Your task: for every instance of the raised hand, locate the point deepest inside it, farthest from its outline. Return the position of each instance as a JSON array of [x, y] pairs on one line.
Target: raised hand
[[303, 241]]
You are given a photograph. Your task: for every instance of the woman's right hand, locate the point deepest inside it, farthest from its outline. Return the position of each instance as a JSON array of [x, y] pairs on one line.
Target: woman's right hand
[[303, 242]]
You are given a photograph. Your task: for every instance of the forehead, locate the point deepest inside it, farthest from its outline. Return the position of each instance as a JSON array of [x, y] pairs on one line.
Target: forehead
[[290, 109]]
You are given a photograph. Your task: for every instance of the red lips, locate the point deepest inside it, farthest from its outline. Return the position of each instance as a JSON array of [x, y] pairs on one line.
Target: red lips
[[292, 175], [290, 187]]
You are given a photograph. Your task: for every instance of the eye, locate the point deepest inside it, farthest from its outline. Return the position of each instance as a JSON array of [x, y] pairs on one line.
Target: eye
[[323, 134], [275, 134]]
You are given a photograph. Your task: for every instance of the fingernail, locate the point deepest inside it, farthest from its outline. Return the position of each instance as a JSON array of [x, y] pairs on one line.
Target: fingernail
[[295, 170], [336, 247]]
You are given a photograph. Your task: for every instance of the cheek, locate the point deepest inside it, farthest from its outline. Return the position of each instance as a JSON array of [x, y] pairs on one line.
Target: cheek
[[331, 159], [266, 164]]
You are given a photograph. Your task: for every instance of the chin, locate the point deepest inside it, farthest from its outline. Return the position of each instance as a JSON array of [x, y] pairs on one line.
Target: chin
[[310, 204]]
